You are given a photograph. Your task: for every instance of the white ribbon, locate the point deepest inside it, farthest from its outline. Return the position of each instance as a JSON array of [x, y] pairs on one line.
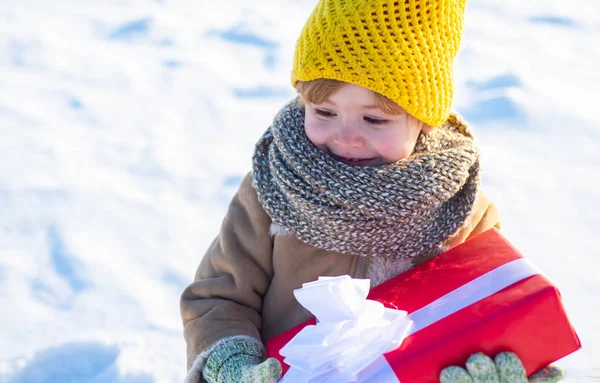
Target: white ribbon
[[352, 333]]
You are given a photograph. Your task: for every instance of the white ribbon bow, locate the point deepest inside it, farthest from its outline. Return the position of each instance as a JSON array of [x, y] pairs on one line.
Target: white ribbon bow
[[351, 332]]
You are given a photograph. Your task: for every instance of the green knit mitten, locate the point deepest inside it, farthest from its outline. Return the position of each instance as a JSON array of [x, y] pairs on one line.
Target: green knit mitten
[[505, 368], [240, 361]]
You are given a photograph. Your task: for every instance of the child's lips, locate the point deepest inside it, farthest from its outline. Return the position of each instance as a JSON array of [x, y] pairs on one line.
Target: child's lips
[[353, 161]]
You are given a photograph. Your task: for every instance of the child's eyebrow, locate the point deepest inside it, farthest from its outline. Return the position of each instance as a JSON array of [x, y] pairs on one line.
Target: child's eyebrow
[[364, 106]]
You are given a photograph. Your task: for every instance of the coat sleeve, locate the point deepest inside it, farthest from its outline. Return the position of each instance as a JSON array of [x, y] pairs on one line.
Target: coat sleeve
[[225, 299]]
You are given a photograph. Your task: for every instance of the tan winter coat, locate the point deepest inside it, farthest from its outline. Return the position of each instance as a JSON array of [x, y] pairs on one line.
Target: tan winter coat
[[244, 284]]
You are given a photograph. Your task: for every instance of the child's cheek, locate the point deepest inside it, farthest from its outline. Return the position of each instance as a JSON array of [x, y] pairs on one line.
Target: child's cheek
[[317, 131], [392, 147]]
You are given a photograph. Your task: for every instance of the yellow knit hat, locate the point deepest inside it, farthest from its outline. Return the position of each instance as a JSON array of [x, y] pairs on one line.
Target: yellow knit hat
[[402, 49]]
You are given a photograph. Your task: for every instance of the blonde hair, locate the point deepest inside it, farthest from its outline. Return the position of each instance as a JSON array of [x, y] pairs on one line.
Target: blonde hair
[[318, 90]]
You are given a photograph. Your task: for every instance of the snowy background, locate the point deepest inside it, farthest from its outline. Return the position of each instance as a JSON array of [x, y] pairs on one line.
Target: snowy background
[[126, 126]]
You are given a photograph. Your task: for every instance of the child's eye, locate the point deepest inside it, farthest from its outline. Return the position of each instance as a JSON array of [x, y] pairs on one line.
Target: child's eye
[[375, 121], [324, 113]]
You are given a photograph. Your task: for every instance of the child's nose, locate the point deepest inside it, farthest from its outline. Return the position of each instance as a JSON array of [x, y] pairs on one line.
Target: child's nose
[[349, 137]]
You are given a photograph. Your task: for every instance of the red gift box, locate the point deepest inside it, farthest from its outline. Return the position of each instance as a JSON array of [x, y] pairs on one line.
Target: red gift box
[[526, 317]]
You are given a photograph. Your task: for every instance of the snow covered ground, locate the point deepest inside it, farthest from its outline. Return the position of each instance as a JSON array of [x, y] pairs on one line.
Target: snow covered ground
[[126, 126]]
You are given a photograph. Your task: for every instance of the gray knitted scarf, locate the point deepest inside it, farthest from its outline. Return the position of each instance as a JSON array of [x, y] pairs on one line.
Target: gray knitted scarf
[[400, 210]]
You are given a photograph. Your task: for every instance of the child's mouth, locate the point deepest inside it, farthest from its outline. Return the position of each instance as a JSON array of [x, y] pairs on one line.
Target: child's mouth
[[353, 161]]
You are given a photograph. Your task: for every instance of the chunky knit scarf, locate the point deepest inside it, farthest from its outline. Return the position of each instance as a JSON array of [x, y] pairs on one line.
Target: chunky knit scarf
[[401, 210]]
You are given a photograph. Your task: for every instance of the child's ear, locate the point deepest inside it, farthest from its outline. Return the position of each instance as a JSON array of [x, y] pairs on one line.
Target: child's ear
[[426, 128]]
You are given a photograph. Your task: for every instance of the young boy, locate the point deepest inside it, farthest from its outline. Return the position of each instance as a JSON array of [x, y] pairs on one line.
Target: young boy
[[367, 174]]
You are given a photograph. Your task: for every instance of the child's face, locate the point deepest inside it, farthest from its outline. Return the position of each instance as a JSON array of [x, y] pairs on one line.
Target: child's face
[[350, 128]]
